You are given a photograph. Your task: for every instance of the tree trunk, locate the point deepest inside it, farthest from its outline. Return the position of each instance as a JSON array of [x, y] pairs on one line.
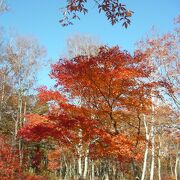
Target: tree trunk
[[80, 165], [171, 166], [2, 97], [19, 126], [146, 150], [159, 159], [176, 167], [79, 151], [106, 176], [86, 164], [152, 142], [136, 170], [92, 170]]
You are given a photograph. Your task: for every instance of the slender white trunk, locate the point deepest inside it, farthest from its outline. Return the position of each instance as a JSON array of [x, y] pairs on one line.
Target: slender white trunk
[[70, 170], [2, 97], [114, 170], [92, 170], [15, 130], [176, 167], [146, 150], [106, 176], [20, 111], [80, 165], [86, 164], [171, 166], [152, 142], [20, 152], [153, 156], [19, 126], [25, 109], [18, 118], [122, 176], [145, 162], [79, 150], [66, 167], [159, 159], [21, 122]]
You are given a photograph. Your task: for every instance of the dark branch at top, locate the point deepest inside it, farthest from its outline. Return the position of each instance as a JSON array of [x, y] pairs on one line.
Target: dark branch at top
[[113, 9]]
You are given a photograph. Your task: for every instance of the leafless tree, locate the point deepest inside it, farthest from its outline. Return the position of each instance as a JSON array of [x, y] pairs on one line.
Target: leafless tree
[[82, 45]]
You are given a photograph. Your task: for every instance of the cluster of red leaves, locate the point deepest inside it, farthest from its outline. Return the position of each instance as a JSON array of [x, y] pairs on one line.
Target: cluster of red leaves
[[112, 78], [119, 147], [36, 159], [61, 127], [9, 163], [46, 95], [9, 166], [53, 159], [113, 9]]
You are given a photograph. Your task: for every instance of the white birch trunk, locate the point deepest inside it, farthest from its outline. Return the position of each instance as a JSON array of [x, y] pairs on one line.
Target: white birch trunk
[[15, 130], [106, 176], [159, 159], [171, 166], [79, 150], [80, 165], [2, 98], [25, 109], [86, 164], [20, 125], [176, 167], [152, 142], [92, 170], [146, 150]]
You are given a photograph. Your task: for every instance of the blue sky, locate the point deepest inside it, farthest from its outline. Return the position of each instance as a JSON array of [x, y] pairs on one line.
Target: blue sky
[[40, 18]]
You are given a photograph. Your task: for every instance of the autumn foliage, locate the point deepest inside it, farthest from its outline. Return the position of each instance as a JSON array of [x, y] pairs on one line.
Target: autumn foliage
[[9, 166], [9, 163], [96, 99]]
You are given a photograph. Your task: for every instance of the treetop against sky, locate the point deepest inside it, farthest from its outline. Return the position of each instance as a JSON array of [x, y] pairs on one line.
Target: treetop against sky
[[41, 20]]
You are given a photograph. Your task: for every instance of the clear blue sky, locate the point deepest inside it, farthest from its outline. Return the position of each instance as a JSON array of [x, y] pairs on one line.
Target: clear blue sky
[[39, 18]]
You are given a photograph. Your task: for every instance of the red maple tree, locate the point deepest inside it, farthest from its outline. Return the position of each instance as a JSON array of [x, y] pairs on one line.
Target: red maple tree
[[96, 108]]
